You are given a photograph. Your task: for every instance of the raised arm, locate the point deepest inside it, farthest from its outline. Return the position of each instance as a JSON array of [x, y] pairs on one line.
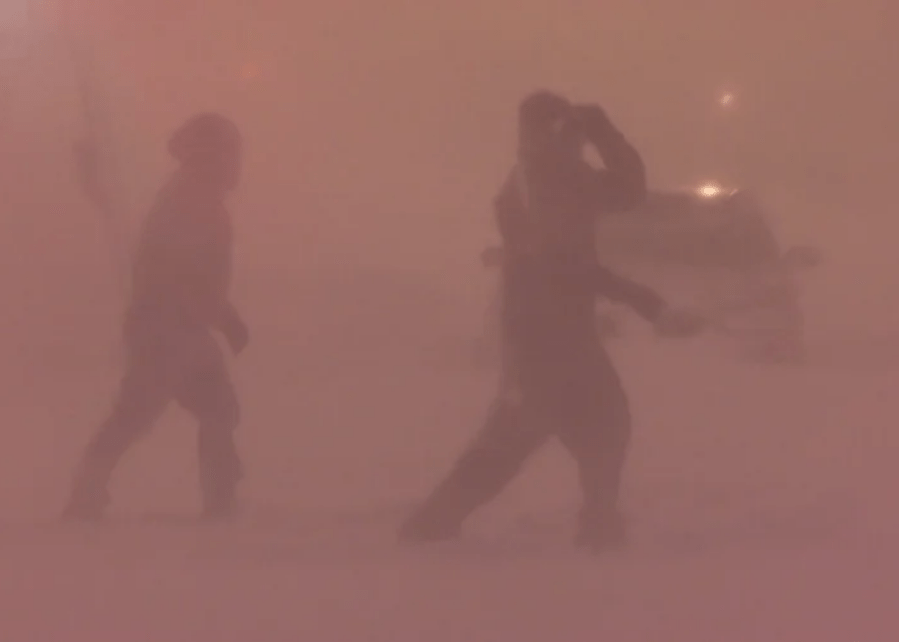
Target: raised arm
[[642, 299], [621, 184]]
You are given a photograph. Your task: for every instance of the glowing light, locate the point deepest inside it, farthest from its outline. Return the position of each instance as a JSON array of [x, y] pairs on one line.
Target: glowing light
[[709, 190], [726, 99]]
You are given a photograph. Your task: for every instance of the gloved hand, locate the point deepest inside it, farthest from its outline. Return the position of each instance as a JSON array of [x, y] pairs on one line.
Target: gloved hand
[[236, 331], [679, 324]]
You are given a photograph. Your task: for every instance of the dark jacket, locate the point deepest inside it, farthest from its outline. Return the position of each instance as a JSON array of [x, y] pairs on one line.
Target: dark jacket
[[183, 262], [552, 276]]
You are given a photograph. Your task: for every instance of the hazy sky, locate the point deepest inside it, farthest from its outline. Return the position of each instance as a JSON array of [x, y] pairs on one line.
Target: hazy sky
[[389, 124], [431, 87]]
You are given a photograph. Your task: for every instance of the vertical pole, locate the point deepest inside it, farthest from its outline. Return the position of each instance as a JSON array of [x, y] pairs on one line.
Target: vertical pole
[[89, 152]]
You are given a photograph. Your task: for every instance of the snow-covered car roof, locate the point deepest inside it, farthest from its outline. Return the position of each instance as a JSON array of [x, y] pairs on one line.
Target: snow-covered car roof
[[707, 226]]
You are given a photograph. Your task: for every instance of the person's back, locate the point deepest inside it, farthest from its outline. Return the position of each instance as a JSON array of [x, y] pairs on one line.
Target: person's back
[[182, 261]]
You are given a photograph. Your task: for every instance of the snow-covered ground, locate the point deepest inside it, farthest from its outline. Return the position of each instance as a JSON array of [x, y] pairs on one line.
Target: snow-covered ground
[[762, 498]]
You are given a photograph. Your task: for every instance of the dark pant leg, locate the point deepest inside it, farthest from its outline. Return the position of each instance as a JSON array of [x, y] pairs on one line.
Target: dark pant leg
[[483, 470], [596, 430], [210, 397], [143, 395]]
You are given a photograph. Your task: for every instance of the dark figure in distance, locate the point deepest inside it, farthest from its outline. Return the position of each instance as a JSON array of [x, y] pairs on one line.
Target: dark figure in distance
[[558, 379], [179, 294]]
